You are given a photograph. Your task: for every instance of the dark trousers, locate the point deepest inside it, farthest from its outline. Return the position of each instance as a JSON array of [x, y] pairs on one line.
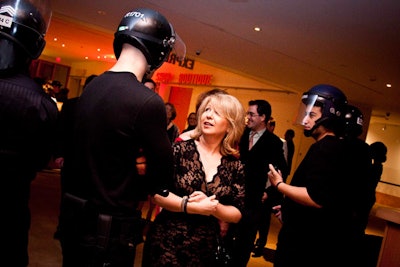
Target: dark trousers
[[16, 216], [92, 239], [245, 235], [264, 223], [88, 254]]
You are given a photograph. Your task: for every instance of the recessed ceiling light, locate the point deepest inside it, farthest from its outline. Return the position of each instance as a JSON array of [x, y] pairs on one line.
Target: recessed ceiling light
[[55, 39], [257, 29], [388, 85]]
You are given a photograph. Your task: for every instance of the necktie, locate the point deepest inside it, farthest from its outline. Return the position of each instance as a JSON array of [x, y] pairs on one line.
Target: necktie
[[251, 141]]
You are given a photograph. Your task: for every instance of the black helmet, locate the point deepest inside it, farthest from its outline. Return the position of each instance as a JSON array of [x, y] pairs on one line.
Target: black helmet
[[354, 121], [151, 33], [25, 23], [333, 103]]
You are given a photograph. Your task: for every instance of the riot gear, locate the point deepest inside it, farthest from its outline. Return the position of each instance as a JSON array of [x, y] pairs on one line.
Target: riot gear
[[151, 33]]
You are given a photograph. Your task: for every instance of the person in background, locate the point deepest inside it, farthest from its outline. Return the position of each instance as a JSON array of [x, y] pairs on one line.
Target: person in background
[[378, 151], [360, 172], [48, 88], [270, 199], [53, 89], [64, 142], [289, 136], [172, 128], [258, 148], [192, 122], [317, 210], [271, 127], [208, 186], [118, 117], [56, 85], [150, 83], [187, 135], [62, 95], [28, 119]]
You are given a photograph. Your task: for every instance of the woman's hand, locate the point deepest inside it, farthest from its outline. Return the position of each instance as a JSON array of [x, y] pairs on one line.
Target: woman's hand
[[197, 196], [201, 204]]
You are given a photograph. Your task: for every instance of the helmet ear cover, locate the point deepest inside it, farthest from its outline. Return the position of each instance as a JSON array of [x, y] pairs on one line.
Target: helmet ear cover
[[354, 121]]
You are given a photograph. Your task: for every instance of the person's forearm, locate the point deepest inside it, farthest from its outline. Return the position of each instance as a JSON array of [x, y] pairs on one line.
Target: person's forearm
[[297, 194], [227, 213], [172, 202]]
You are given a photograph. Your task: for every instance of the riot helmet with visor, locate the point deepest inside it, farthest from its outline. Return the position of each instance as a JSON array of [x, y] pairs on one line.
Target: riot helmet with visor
[[332, 103]]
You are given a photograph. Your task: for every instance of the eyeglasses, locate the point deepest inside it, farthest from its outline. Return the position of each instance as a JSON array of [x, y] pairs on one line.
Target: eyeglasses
[[251, 114]]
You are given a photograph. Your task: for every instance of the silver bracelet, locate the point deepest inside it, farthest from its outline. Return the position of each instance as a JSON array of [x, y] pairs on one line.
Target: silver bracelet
[[184, 203]]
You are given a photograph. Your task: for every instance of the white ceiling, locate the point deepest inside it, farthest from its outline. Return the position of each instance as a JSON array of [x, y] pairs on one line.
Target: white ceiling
[[352, 44]]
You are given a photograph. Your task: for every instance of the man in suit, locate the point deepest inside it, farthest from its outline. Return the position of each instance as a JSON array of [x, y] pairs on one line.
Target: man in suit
[[270, 199], [258, 148]]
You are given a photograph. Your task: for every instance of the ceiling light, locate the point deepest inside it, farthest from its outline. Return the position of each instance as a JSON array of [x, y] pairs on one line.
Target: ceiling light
[[388, 85], [257, 29]]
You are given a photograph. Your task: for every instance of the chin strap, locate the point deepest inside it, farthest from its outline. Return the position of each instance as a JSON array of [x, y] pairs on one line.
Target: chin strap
[[320, 121]]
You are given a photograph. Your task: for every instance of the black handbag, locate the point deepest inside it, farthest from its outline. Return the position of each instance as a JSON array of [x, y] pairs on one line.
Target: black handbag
[[223, 255]]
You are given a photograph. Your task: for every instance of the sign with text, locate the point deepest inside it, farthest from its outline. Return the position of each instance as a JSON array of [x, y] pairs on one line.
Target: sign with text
[[185, 63]]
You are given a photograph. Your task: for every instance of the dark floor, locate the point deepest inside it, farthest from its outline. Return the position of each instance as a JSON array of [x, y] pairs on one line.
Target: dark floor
[[46, 252]]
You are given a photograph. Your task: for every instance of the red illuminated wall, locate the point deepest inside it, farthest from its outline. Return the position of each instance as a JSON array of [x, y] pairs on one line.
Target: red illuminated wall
[[180, 97]]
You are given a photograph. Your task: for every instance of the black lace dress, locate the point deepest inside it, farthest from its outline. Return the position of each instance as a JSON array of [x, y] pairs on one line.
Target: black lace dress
[[179, 239]]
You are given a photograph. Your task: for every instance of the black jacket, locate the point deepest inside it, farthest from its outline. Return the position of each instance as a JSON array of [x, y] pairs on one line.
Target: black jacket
[[268, 149]]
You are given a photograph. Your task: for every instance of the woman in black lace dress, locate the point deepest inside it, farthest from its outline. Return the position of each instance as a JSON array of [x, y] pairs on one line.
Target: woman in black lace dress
[[209, 183]]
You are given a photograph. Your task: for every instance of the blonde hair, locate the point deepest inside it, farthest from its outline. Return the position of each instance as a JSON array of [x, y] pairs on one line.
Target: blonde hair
[[229, 108]]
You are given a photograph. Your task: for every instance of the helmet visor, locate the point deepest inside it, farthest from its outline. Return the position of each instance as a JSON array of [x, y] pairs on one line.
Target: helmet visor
[[179, 47], [44, 7], [308, 109]]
